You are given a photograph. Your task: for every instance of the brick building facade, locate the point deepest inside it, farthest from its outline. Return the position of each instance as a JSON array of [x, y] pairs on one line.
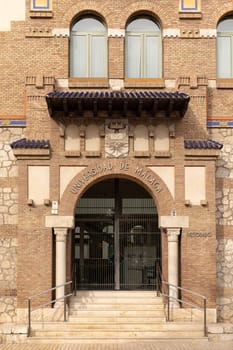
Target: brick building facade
[[99, 94]]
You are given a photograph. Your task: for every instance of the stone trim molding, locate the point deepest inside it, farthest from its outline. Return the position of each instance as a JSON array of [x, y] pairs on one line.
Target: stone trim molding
[[104, 169], [59, 221], [120, 33], [116, 32], [190, 15], [208, 33], [171, 33], [61, 32], [39, 32], [174, 221], [41, 14], [189, 33]]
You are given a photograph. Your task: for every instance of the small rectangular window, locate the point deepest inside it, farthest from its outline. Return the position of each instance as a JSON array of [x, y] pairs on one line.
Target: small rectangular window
[[41, 5], [190, 5]]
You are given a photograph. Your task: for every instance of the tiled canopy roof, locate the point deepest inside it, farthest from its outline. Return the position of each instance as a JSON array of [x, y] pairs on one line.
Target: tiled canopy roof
[[149, 101], [25, 143], [188, 144], [202, 144]]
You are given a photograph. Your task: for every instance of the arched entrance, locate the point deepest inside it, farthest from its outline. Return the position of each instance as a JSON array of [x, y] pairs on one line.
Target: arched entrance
[[116, 240]]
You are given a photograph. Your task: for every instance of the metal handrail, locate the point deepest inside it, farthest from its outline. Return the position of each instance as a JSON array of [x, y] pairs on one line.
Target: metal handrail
[[169, 297], [203, 308], [185, 289], [34, 296]]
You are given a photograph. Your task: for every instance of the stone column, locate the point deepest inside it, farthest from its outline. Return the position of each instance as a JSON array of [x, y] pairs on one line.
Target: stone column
[[60, 224], [173, 261], [60, 260], [173, 225]]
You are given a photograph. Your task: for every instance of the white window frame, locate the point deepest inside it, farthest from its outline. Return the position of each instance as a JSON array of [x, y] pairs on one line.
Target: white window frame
[[88, 35], [143, 57], [226, 34]]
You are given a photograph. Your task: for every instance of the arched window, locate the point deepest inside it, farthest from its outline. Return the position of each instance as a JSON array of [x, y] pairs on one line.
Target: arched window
[[225, 48], [143, 49], [88, 49]]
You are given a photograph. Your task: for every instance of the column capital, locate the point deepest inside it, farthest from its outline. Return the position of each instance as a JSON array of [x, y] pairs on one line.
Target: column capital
[[60, 233], [173, 234]]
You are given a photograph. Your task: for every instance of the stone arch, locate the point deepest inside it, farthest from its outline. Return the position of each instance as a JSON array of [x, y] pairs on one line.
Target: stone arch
[[88, 13], [87, 8], [105, 12], [220, 13], [105, 169], [142, 13], [223, 17], [135, 9]]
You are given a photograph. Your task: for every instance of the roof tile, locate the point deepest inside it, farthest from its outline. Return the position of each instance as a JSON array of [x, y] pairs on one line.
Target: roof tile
[[25, 143], [202, 144]]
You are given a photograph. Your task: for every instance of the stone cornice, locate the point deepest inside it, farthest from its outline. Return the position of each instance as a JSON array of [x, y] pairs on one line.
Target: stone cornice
[[31, 153]]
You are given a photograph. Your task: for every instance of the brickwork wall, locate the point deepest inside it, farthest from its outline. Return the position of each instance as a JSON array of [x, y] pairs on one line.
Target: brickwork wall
[[33, 61], [33, 44]]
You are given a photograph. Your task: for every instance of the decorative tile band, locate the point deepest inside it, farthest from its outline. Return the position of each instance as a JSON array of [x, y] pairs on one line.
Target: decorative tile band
[[224, 123], [213, 123], [12, 122], [17, 122]]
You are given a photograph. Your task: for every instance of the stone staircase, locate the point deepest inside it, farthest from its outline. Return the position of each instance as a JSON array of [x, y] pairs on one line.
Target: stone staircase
[[115, 316]]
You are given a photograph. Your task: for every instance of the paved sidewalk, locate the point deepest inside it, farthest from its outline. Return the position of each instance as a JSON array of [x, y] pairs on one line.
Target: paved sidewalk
[[164, 345]]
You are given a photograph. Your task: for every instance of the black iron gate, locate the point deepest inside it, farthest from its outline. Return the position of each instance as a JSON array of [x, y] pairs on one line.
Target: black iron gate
[[116, 243]]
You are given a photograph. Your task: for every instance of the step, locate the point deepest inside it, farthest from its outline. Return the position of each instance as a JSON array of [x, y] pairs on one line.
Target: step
[[113, 305], [115, 294], [118, 334], [79, 340], [72, 327], [117, 313], [80, 319], [114, 326], [69, 332], [115, 316], [142, 297], [115, 301]]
